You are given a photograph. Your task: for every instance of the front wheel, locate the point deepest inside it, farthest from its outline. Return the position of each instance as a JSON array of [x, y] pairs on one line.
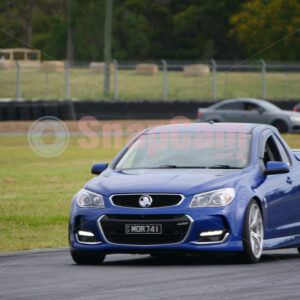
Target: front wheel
[[281, 125], [253, 234], [88, 259], [212, 120]]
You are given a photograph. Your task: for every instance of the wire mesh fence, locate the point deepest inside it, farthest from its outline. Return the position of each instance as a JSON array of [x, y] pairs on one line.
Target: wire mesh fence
[[153, 80]]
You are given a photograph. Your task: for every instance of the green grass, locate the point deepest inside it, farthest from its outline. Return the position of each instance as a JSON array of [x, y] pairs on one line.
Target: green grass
[[36, 192], [87, 85]]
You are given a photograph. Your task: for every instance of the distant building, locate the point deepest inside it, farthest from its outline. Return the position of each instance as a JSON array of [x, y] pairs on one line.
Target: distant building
[[25, 58]]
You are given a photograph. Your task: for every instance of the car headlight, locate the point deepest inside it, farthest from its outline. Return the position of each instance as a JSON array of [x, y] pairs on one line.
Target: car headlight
[[215, 198], [295, 119], [86, 198]]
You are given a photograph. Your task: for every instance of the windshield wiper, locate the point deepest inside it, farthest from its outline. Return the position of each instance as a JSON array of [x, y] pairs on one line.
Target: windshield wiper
[[223, 167], [168, 167], [180, 167]]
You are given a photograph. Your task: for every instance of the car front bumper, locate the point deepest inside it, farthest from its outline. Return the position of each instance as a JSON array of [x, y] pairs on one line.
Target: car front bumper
[[201, 220]]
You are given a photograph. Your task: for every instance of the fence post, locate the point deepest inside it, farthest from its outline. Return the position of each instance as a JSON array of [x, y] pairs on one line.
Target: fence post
[[214, 79], [263, 78], [67, 70], [116, 81], [225, 85], [19, 87], [107, 44], [287, 86], [47, 84], [165, 79]]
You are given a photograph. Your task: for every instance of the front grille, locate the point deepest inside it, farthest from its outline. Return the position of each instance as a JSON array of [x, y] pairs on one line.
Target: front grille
[[159, 200], [174, 229]]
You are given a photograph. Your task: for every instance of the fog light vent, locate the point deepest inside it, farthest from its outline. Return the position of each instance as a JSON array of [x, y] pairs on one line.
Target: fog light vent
[[214, 236], [85, 237]]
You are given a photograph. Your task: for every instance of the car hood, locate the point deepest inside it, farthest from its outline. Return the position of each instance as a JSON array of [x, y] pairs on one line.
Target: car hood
[[182, 181], [288, 113]]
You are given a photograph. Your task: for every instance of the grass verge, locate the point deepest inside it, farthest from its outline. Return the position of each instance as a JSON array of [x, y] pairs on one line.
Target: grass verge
[[36, 192]]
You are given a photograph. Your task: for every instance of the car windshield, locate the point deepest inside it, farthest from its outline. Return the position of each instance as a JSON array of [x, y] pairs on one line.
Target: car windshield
[[269, 106], [219, 150]]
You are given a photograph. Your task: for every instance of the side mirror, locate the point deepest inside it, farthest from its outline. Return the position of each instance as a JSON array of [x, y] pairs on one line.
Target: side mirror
[[276, 167], [260, 110], [99, 168]]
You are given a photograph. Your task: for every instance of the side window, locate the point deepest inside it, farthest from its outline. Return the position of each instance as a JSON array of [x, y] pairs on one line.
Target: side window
[[284, 155], [271, 152], [251, 106], [230, 105]]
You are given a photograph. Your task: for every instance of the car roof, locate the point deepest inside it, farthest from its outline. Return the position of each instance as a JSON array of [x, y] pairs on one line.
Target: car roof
[[251, 100], [206, 127]]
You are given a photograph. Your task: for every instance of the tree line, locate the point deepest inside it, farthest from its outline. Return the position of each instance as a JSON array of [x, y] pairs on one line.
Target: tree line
[[154, 29]]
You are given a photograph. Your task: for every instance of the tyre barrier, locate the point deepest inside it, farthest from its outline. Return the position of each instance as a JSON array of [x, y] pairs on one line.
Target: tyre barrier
[[109, 110], [29, 110], [66, 110], [51, 109], [37, 110], [24, 111], [2, 112], [12, 113]]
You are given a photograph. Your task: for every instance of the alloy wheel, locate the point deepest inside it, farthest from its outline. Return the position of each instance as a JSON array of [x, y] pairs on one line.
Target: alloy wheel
[[256, 231]]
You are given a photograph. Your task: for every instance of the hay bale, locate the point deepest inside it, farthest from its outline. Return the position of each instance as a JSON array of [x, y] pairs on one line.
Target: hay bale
[[196, 70], [53, 66], [147, 69], [100, 67], [29, 63]]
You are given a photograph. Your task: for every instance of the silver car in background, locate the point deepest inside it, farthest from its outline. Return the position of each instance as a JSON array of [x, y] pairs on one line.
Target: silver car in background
[[251, 111]]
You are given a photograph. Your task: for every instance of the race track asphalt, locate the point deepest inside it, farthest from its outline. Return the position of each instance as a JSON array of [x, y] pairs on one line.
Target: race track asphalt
[[51, 274]]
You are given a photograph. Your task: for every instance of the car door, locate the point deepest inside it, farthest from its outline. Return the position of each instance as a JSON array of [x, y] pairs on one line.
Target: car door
[[229, 111], [280, 192], [253, 113], [292, 203]]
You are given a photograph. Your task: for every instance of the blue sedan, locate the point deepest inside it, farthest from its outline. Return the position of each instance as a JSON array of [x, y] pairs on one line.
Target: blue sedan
[[191, 188]]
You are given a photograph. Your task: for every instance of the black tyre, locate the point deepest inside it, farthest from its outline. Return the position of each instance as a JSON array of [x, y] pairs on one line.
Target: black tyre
[[12, 112], [281, 125], [213, 120], [24, 111], [299, 250], [253, 234], [51, 109], [2, 112], [37, 110], [88, 259], [66, 110]]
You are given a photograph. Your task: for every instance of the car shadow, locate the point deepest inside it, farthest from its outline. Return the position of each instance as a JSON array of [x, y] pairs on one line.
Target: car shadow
[[269, 257]]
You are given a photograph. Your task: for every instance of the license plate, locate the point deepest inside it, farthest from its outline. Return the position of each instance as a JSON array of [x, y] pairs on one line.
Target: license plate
[[143, 228]]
